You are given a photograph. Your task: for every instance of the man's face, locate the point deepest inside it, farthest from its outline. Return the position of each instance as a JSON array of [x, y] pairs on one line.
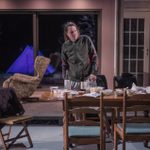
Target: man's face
[[72, 33]]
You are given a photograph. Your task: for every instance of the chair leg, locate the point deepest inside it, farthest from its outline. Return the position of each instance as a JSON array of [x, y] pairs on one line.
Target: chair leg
[[115, 140], [66, 147], [3, 141], [6, 138], [101, 146], [28, 135], [112, 122], [14, 139], [123, 145], [98, 146], [66, 144], [104, 141], [146, 144], [9, 131]]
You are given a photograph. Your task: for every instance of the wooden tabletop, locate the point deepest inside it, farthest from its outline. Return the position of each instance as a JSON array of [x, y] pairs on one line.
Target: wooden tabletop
[[110, 100]]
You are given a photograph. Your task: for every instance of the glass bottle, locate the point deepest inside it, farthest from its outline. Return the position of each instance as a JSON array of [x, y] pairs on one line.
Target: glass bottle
[[67, 81], [82, 87]]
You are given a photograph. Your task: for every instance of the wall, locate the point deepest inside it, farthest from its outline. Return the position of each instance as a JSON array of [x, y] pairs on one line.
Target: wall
[[106, 40], [137, 4]]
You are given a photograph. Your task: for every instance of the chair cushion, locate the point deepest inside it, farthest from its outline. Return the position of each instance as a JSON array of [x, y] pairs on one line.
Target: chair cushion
[[136, 128], [84, 131]]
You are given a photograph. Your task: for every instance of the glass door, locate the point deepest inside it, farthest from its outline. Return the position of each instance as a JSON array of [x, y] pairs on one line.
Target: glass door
[[136, 41]]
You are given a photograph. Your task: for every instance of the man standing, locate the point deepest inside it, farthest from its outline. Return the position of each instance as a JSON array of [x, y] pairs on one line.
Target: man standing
[[79, 58]]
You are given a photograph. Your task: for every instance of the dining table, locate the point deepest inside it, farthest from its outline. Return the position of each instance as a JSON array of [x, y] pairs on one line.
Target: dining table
[[109, 100], [112, 105]]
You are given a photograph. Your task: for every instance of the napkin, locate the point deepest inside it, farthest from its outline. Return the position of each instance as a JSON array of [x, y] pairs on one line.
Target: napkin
[[138, 89], [148, 89], [108, 91], [93, 94]]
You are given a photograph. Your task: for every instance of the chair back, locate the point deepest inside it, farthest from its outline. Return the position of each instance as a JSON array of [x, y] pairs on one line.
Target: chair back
[[40, 65], [140, 104], [101, 81], [124, 80], [133, 127], [77, 128]]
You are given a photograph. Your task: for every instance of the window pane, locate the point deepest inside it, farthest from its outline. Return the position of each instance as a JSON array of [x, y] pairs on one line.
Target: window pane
[[126, 24], [140, 66], [133, 52], [125, 66], [126, 38], [141, 38], [133, 66], [133, 38], [126, 52], [141, 25], [140, 79], [140, 52], [133, 24], [15, 34]]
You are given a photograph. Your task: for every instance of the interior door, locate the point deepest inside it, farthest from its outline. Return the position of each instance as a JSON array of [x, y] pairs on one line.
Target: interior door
[[136, 44]]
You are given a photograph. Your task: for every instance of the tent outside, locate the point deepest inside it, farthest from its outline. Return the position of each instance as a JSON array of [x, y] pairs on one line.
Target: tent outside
[[25, 63]]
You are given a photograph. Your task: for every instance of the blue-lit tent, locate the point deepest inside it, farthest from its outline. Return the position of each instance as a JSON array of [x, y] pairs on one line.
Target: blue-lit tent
[[25, 63]]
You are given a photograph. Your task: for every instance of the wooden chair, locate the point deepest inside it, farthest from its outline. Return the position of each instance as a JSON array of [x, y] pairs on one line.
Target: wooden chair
[[7, 139], [131, 127], [125, 80], [78, 129], [101, 81], [11, 113]]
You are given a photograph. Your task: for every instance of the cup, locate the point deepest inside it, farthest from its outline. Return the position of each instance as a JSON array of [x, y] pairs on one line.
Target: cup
[[53, 90], [67, 84], [92, 84]]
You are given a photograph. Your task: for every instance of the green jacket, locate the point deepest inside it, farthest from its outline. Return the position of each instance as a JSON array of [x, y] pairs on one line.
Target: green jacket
[[79, 58]]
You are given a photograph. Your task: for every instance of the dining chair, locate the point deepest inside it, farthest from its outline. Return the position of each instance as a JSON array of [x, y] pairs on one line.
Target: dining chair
[[6, 135], [12, 113], [131, 127], [101, 81], [79, 130], [124, 80]]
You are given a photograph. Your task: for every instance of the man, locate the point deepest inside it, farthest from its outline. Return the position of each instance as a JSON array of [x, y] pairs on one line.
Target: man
[[79, 58]]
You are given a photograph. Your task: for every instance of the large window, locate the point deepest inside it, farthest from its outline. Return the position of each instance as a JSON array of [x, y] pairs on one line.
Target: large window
[[15, 34], [18, 34], [51, 31]]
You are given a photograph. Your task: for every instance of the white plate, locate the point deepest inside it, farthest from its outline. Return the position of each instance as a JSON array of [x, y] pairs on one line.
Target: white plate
[[108, 92]]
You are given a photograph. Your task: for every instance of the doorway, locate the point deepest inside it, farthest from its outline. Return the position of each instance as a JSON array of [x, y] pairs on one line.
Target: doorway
[[136, 46]]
